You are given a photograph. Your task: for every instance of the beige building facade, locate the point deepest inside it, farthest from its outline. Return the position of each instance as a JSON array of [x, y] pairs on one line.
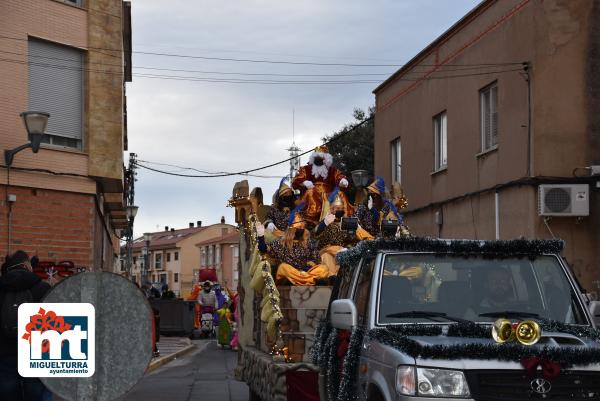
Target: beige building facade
[[222, 254], [174, 258], [504, 102], [70, 59]]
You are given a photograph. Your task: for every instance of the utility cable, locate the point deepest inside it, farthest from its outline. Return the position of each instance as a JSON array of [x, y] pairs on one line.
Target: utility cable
[[265, 61], [462, 67], [245, 172], [251, 81]]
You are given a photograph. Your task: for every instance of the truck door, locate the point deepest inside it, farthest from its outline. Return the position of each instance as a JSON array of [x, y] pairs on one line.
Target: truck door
[[362, 296]]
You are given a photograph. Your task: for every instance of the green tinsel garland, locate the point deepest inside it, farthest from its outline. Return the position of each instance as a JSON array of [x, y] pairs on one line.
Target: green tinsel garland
[[347, 387], [399, 337], [488, 249], [332, 364]]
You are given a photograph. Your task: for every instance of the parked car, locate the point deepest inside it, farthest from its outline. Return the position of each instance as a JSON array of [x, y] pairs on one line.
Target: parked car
[[420, 319]]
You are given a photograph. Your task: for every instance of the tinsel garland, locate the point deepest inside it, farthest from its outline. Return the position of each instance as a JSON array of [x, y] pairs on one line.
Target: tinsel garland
[[330, 360], [399, 337], [347, 388], [318, 349], [487, 249]]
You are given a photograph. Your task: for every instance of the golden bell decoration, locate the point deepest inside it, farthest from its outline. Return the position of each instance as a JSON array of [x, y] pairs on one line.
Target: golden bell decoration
[[527, 332], [502, 331]]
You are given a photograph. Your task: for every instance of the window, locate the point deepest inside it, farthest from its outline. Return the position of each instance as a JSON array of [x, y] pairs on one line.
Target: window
[[363, 290], [158, 260], [176, 277], [168, 256], [57, 90], [176, 256], [472, 287], [163, 278], [489, 117], [217, 254], [213, 258], [236, 252], [440, 135], [210, 256], [396, 161]]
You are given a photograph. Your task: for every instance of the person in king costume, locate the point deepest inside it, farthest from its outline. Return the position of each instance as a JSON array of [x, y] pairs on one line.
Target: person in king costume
[[380, 207], [283, 203], [295, 253], [316, 180], [330, 236]]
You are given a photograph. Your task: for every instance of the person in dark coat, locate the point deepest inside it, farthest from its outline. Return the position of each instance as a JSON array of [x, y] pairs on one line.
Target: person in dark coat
[[17, 276]]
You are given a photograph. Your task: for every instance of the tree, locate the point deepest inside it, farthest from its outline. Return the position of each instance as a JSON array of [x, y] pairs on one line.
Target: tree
[[354, 150]]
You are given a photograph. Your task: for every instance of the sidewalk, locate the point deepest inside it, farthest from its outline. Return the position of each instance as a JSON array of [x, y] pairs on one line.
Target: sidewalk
[[170, 348]]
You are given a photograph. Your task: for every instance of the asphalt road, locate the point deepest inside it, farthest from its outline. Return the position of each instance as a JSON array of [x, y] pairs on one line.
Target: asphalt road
[[205, 374]]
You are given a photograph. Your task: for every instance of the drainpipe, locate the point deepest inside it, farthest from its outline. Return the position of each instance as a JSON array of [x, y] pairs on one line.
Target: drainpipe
[[497, 213]]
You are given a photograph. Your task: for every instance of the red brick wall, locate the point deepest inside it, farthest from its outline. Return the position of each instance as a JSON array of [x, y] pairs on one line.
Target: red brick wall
[[51, 224]]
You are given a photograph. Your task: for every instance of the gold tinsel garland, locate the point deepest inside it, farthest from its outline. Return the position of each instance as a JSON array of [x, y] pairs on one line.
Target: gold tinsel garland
[[262, 282]]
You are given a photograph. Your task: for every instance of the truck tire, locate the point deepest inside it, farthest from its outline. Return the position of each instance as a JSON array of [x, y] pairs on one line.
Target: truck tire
[[375, 394], [253, 396]]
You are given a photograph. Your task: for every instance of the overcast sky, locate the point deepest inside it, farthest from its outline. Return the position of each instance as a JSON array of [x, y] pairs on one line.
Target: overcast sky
[[224, 126]]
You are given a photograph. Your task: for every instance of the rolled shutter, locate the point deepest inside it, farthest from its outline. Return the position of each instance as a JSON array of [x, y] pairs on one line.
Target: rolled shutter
[[56, 86]]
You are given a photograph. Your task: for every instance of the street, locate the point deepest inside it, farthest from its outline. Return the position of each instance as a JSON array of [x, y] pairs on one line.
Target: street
[[206, 374]]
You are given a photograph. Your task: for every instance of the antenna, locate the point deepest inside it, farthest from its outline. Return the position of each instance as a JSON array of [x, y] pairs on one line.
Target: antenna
[[293, 126], [294, 149]]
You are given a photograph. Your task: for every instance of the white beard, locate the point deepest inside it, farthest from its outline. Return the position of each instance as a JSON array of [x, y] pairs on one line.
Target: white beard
[[320, 171], [323, 170]]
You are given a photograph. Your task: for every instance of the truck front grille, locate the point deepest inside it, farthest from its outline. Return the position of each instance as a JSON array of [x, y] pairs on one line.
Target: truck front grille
[[514, 385]]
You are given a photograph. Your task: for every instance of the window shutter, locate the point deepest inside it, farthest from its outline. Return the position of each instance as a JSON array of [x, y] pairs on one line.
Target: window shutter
[[494, 116], [56, 86]]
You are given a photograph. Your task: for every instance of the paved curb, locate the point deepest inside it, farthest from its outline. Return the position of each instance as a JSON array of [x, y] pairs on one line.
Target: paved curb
[[163, 360]]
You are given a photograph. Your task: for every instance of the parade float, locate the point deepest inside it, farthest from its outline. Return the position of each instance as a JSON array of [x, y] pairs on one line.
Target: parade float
[[288, 266]]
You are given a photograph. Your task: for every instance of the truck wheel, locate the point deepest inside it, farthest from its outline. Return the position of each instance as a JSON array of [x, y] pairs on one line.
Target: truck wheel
[[375, 395], [253, 396]]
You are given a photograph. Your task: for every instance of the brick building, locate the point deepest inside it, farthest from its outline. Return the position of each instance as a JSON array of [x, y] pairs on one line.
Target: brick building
[[70, 59], [472, 133], [174, 258]]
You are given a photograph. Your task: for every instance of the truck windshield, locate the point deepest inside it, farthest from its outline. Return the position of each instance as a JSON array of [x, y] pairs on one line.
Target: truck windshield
[[475, 288]]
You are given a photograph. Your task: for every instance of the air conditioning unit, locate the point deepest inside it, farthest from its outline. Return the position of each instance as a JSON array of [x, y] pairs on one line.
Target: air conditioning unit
[[564, 200]]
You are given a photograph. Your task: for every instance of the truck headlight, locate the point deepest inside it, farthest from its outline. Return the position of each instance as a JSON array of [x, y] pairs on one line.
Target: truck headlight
[[442, 383], [431, 382]]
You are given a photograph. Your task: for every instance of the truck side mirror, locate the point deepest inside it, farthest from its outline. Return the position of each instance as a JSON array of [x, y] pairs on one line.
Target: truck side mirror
[[594, 307], [344, 316]]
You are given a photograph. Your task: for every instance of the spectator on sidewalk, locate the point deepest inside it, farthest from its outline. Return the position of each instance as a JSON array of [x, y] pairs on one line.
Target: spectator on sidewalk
[[18, 284]]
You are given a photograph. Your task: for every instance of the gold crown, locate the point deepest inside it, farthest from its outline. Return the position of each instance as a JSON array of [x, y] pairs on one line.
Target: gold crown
[[372, 188], [284, 188], [338, 202], [322, 149]]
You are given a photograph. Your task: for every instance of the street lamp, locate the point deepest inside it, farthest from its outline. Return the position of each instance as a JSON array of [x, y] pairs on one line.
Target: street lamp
[[147, 238], [35, 124], [132, 212], [360, 178]]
